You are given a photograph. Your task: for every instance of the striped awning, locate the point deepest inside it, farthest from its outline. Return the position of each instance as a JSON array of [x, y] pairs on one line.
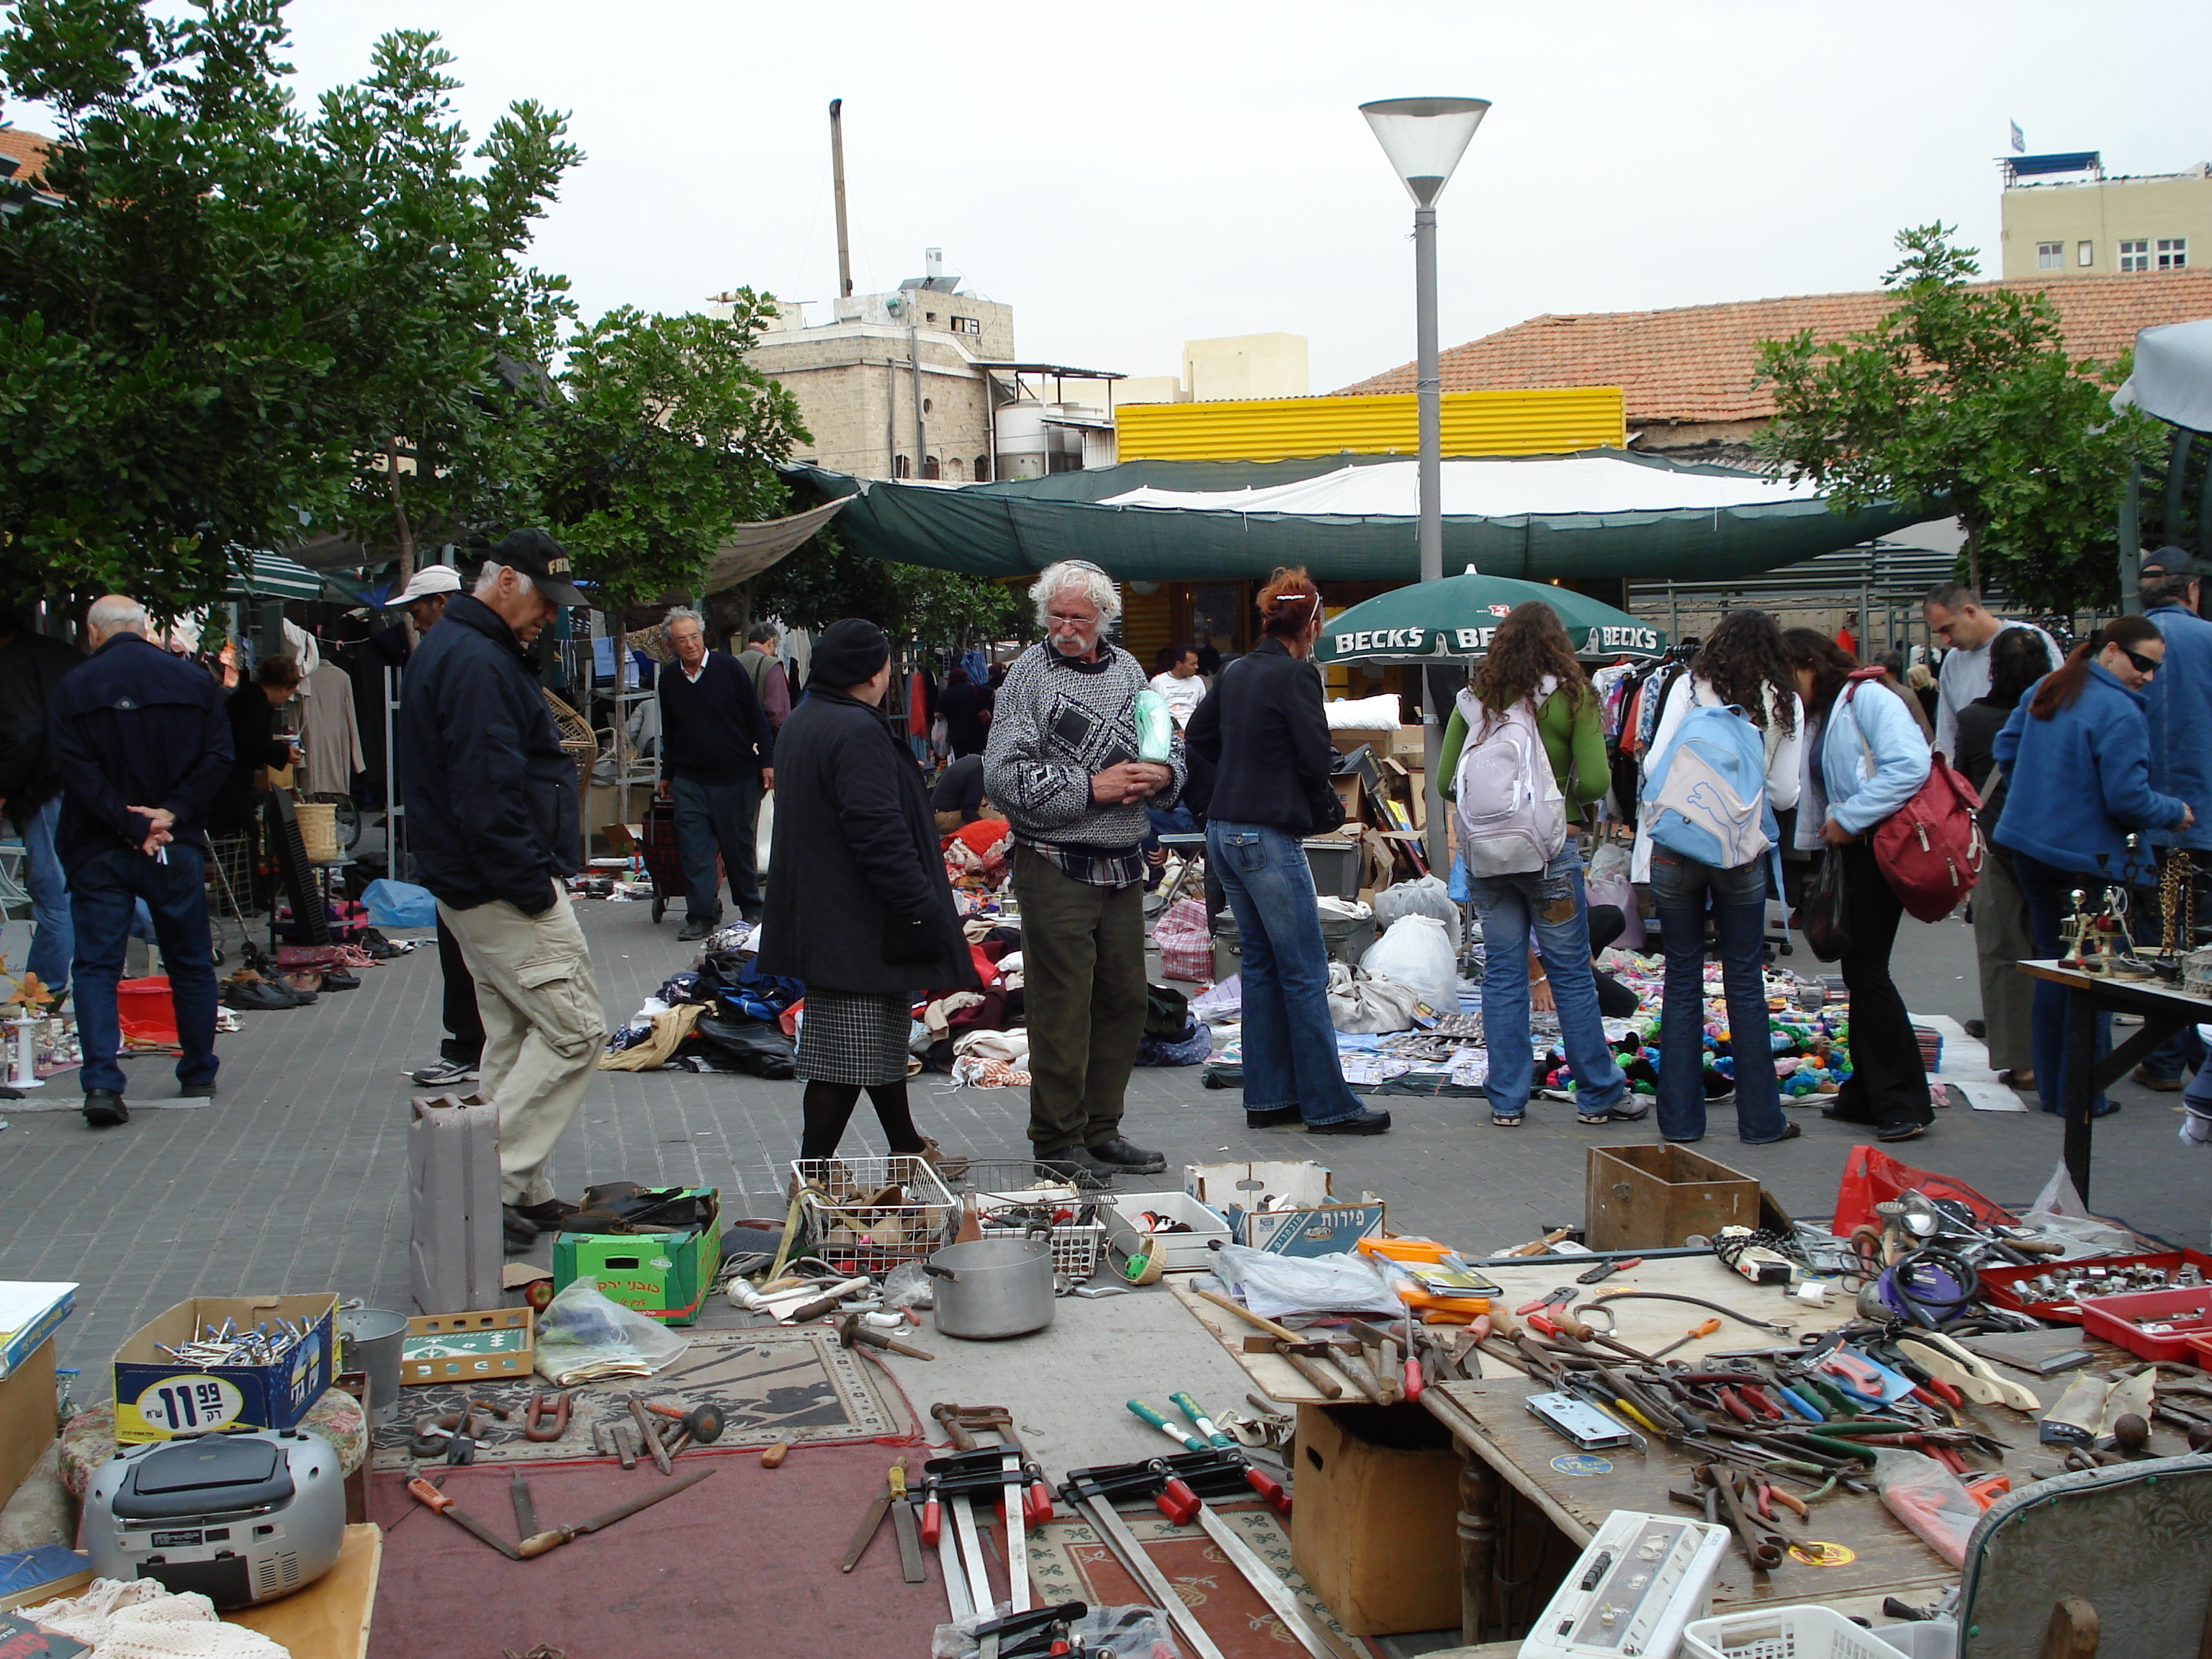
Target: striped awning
[[258, 575]]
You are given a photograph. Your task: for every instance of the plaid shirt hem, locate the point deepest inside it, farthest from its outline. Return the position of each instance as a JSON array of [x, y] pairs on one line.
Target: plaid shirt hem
[[1100, 867]]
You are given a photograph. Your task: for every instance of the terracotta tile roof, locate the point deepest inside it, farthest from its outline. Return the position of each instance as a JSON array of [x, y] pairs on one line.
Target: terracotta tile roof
[[1697, 363], [28, 148]]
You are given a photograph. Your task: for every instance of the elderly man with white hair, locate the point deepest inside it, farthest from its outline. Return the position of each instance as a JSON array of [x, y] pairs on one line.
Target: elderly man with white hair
[[717, 760], [144, 743], [1061, 764], [494, 823]]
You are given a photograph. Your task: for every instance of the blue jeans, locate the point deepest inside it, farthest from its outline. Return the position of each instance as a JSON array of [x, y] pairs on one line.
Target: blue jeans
[[52, 942], [1549, 906], [1165, 821], [1683, 888], [2049, 895], [104, 896], [1289, 1044], [710, 816]]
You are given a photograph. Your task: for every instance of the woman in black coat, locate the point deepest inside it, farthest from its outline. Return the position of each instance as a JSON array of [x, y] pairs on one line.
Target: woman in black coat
[[857, 906], [254, 742]]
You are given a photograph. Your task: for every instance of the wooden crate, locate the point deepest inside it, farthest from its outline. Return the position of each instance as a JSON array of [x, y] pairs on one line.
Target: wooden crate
[[1651, 1198], [469, 1347]]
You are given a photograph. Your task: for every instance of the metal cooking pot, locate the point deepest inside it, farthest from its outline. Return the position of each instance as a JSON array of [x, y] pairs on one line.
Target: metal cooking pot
[[993, 1288]]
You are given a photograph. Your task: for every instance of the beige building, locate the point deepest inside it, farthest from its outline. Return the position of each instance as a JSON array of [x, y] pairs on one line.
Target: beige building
[[1233, 367], [2092, 226], [923, 382]]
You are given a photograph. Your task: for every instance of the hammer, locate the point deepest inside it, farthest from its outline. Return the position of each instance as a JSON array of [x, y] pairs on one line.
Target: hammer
[[701, 1423], [850, 1330]]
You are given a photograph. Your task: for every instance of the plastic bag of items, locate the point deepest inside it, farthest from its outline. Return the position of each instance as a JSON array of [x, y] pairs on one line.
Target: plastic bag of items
[[1416, 952], [1425, 896], [1185, 942], [1273, 1285], [1360, 1004], [583, 1336], [1120, 1632]]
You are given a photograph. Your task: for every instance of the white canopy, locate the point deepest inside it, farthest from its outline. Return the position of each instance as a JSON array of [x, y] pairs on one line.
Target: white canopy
[[1488, 489], [2172, 377]]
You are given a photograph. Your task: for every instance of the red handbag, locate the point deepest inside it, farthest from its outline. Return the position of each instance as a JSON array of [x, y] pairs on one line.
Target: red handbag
[[1931, 849]]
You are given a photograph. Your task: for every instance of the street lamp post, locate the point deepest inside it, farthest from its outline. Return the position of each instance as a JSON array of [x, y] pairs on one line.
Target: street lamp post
[[1425, 139]]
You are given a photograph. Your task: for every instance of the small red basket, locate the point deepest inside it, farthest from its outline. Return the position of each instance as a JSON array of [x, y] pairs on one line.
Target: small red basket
[[2188, 1312], [2002, 1284]]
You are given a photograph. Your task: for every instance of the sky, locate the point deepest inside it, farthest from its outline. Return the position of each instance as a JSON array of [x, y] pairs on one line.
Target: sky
[[1132, 175]]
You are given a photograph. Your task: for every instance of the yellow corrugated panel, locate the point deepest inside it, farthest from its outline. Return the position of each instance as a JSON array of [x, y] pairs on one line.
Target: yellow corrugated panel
[[1532, 423]]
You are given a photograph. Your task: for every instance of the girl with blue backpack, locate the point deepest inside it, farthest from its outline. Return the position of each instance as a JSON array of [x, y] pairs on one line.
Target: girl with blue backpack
[[1725, 758]]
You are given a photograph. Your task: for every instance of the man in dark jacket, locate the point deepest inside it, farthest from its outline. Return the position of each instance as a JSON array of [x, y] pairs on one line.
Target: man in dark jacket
[[142, 744], [31, 665], [717, 758], [493, 823]]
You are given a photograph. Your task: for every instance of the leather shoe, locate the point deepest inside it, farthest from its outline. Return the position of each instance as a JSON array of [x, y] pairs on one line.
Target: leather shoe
[[520, 1233], [1790, 1131], [693, 930], [549, 1216], [1977, 1029], [196, 1091], [104, 1108], [1366, 1123], [1122, 1159], [1273, 1116]]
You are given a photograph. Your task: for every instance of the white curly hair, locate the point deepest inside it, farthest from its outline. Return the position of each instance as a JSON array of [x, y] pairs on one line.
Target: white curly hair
[[1096, 585]]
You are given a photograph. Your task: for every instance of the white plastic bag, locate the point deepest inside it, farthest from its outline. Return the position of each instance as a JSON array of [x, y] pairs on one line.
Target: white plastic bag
[[1426, 896], [1415, 951], [583, 1335], [2060, 1214], [1273, 1285], [1155, 727]]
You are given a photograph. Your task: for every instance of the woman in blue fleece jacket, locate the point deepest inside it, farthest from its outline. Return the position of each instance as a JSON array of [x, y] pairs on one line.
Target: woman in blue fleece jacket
[[2077, 749]]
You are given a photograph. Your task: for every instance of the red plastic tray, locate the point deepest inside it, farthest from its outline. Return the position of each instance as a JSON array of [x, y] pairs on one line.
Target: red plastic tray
[[2200, 1349], [2113, 1317], [1998, 1282]]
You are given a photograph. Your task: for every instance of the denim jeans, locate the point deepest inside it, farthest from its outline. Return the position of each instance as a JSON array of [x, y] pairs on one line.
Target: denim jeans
[[1548, 905], [710, 816], [104, 896], [2050, 894], [1289, 1044], [1684, 887], [52, 943]]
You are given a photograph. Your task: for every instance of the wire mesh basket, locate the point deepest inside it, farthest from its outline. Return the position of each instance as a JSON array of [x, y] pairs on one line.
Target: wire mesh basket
[[1018, 1192], [870, 1214]]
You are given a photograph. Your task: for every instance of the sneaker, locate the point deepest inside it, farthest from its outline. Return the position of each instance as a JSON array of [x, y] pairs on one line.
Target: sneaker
[[1367, 1123], [1629, 1111], [104, 1108], [1118, 1155], [1273, 1117], [445, 1074]]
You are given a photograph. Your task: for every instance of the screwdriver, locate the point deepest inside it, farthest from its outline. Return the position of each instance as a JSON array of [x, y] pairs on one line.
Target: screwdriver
[[1695, 1331]]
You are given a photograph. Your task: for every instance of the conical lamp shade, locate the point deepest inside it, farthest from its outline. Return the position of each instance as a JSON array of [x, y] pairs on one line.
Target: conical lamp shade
[[1424, 137]]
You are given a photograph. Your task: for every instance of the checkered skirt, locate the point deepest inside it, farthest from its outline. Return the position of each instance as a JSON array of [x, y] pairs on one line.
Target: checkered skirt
[[854, 1040]]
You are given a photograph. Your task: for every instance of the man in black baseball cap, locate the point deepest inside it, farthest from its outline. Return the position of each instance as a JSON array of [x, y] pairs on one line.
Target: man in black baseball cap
[[544, 561]]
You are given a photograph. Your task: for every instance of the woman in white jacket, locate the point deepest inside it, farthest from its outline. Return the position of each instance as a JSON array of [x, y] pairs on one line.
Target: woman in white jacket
[[1866, 756], [1742, 666]]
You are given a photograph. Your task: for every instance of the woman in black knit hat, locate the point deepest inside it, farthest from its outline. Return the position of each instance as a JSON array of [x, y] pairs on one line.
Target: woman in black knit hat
[[857, 906]]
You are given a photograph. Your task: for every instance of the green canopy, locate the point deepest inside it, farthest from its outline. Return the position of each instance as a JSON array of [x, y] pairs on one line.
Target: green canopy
[[1017, 527], [256, 574], [1452, 621]]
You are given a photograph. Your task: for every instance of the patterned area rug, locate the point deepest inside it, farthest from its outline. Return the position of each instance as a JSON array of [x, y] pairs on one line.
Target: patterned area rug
[[771, 1383], [1069, 1562]]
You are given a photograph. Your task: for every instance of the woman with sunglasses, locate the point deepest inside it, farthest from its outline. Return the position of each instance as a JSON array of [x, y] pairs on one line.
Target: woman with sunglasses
[[2077, 750]]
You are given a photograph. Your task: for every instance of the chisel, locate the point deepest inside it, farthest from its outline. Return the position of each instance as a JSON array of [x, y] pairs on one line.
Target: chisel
[[910, 1543]]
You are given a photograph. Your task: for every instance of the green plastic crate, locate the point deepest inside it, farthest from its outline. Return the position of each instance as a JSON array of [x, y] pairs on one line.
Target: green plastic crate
[[665, 1275]]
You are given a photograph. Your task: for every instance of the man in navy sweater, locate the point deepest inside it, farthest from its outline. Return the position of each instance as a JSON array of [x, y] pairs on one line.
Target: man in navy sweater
[[717, 758]]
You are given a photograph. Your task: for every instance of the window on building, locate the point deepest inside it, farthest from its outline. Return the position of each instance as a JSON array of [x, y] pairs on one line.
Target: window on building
[[2135, 256], [967, 325], [898, 466], [929, 405], [929, 467], [2173, 252], [2085, 254], [2049, 255], [982, 469], [955, 470], [931, 315]]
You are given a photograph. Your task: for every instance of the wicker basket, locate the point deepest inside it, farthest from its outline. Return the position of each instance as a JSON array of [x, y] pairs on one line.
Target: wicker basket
[[576, 737], [318, 831]]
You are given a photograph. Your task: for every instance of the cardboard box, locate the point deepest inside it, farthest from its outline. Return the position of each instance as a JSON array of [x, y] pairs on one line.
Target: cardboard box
[[1184, 1251], [1312, 1221], [156, 1396], [666, 1275], [27, 1424], [29, 1313], [1376, 1531], [1651, 1198], [459, 1349]]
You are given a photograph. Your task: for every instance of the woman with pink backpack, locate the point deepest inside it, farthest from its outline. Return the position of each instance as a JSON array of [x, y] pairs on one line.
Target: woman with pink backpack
[[1534, 753]]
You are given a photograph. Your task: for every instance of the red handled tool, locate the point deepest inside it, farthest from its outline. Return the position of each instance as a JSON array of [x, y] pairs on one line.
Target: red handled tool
[[1175, 1500], [1605, 1270], [932, 1513]]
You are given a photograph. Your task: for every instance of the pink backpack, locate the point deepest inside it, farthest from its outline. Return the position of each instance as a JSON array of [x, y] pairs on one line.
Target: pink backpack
[[1931, 849]]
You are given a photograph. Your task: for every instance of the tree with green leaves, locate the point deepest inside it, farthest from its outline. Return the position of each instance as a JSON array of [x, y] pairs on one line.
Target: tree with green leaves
[[1964, 397], [661, 438]]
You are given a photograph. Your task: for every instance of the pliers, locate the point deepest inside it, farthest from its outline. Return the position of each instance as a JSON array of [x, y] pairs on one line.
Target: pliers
[[1537, 1313]]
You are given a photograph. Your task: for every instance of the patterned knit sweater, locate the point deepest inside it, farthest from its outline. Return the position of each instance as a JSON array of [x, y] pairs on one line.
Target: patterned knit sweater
[[1056, 725]]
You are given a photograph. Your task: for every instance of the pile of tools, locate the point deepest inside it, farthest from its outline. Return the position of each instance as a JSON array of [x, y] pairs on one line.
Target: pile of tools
[[226, 1345], [1380, 1363]]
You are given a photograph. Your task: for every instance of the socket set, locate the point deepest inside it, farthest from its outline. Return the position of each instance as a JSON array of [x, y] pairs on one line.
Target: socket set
[[2056, 1291]]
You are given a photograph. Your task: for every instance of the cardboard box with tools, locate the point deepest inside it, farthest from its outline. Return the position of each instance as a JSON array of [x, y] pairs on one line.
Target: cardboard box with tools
[[159, 1394], [664, 1273], [1302, 1217]]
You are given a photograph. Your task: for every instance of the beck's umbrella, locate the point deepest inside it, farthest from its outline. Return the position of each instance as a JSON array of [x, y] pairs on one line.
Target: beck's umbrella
[[1453, 620]]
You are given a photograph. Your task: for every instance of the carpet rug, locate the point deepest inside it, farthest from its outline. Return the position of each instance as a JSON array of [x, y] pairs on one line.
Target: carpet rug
[[1069, 1562], [771, 1383]]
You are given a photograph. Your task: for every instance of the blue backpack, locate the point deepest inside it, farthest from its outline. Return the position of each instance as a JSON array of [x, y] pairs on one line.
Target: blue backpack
[[1708, 790]]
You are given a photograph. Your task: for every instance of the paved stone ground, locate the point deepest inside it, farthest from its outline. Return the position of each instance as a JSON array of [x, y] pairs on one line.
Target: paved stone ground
[[294, 1179]]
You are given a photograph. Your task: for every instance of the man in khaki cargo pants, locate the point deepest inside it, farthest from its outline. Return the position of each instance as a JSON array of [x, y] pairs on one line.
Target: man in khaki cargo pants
[[493, 821]]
